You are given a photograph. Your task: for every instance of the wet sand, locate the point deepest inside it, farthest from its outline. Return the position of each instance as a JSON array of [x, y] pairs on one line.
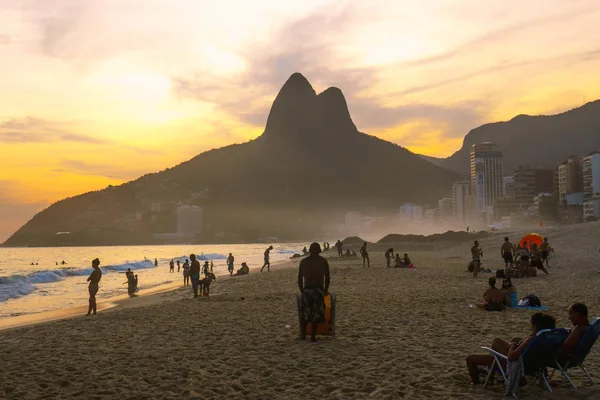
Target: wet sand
[[400, 333]]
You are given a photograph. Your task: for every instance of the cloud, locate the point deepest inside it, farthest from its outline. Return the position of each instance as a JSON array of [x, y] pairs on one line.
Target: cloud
[[36, 130], [110, 171]]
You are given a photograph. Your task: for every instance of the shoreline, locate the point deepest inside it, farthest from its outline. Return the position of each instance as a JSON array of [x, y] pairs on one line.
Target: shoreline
[[150, 296]]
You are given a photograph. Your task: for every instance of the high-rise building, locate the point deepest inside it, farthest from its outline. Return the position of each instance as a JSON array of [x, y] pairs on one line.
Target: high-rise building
[[529, 182], [462, 201], [508, 187], [570, 178], [410, 212], [444, 210], [189, 220], [486, 175], [591, 186]]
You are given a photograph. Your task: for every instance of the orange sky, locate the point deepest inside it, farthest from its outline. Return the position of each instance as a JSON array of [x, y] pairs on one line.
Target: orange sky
[[98, 92]]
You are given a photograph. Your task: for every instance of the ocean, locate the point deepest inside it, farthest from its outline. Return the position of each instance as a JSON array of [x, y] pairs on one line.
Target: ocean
[[49, 285]]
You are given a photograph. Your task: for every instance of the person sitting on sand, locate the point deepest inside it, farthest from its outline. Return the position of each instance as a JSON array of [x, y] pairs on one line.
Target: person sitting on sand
[[389, 254], [93, 287], [195, 274], [512, 349], [494, 299], [578, 315], [186, 273], [365, 255], [406, 262], [348, 253], [313, 282], [536, 259], [509, 290], [476, 254], [244, 270], [507, 252], [267, 259]]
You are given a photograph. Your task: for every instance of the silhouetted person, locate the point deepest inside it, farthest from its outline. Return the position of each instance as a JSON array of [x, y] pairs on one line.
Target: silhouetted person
[[171, 266], [156, 262], [340, 248], [365, 256], [205, 268], [476, 254], [267, 259], [186, 273], [313, 282], [195, 274], [304, 251], [211, 266], [178, 265], [389, 254], [94, 279], [507, 251], [230, 266], [131, 282], [545, 248]]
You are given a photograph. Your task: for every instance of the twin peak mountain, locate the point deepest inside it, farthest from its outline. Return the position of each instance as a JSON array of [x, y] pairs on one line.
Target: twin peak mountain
[[296, 181]]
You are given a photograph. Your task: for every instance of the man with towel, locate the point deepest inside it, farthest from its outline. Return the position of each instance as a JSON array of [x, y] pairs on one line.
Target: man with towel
[[313, 282]]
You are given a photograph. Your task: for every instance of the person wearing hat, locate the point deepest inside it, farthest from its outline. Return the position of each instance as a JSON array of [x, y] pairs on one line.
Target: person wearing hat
[[476, 254], [313, 282], [94, 279]]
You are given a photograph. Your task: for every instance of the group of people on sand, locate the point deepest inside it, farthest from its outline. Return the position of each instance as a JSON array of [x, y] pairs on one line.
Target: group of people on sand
[[399, 262], [478, 364], [519, 260], [497, 299]]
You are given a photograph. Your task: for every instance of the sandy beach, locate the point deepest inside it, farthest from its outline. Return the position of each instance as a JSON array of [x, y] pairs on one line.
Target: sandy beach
[[400, 333]]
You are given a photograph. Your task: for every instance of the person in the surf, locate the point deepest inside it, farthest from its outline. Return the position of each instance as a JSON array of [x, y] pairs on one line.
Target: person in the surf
[[93, 287]]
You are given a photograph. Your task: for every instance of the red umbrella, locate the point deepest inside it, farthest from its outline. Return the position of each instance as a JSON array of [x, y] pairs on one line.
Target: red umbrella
[[530, 239]]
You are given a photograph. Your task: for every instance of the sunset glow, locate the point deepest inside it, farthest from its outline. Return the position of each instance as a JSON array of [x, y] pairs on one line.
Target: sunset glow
[[100, 92]]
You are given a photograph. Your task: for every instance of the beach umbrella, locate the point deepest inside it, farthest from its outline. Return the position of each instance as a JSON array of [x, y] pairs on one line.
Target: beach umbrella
[[531, 238]]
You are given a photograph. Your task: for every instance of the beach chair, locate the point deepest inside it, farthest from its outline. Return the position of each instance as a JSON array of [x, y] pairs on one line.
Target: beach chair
[[579, 354], [540, 353], [326, 328]]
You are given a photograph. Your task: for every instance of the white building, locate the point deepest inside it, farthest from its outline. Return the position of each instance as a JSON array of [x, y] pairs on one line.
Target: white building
[[189, 220], [410, 212], [591, 186], [486, 175], [508, 187], [462, 201]]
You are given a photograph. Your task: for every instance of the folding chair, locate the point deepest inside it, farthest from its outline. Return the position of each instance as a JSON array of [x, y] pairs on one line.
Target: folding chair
[[541, 351], [578, 356]]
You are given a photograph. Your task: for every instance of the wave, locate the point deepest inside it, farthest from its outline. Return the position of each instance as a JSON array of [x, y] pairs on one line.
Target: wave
[[201, 257], [284, 251], [15, 286]]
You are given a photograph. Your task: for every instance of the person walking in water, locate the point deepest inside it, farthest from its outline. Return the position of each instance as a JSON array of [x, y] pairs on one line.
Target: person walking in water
[[178, 265], [365, 255], [389, 255], [171, 266], [476, 254], [186, 273], [313, 282], [340, 248], [195, 274], [94, 279], [230, 261], [267, 258]]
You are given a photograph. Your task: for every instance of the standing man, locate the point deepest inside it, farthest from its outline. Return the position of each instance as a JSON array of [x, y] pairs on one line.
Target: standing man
[[267, 258], [545, 247], [507, 252], [171, 266], [230, 261], [389, 254], [476, 254], [186, 273], [365, 255], [94, 279], [156, 262], [340, 248], [178, 265], [195, 274], [205, 268], [313, 282]]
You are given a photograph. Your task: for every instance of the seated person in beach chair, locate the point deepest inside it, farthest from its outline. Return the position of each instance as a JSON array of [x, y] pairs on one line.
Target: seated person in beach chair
[[581, 339], [244, 270], [511, 350], [494, 299], [536, 259]]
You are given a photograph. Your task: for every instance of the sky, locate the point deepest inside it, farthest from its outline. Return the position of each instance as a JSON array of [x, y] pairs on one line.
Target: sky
[[98, 92]]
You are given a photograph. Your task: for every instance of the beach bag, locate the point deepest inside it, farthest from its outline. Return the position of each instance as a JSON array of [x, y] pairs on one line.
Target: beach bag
[[500, 274], [471, 266], [531, 300]]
